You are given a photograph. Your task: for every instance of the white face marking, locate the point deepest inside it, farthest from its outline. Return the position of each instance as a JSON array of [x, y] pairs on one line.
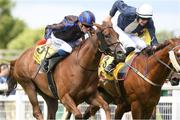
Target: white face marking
[[179, 51]]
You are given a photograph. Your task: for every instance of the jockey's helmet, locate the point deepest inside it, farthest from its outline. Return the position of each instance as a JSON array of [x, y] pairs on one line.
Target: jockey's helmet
[[145, 11], [87, 18]]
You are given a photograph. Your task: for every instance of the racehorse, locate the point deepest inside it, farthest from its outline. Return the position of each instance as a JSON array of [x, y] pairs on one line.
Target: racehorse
[[75, 77], [141, 93]]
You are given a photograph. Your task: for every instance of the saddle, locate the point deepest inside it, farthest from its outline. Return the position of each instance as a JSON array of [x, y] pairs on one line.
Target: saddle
[[120, 70], [42, 52]]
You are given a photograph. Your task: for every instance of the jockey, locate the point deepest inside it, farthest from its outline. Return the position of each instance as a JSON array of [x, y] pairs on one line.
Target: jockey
[[64, 36], [131, 23]]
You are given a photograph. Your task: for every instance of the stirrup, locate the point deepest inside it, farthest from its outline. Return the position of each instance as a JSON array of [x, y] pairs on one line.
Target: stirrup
[[109, 70], [44, 67]]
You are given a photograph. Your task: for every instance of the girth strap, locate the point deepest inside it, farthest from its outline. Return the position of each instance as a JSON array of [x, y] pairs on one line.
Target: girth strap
[[52, 85]]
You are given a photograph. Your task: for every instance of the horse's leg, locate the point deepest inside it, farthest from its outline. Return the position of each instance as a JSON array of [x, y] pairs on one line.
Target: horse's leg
[[140, 112], [69, 103], [136, 110], [119, 112], [90, 111], [30, 90], [99, 101], [52, 106], [66, 115], [147, 113]]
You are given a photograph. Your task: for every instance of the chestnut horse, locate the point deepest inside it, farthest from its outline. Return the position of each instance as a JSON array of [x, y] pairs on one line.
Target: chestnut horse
[[137, 94], [75, 76]]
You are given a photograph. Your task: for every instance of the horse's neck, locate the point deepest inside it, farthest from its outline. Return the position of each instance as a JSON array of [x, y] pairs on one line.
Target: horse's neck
[[89, 54], [159, 72]]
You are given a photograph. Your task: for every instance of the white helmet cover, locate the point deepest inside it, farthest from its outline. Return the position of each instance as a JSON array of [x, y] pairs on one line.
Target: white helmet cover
[[145, 11]]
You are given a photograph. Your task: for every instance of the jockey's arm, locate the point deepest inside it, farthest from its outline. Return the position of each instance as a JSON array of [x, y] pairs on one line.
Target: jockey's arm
[[151, 30], [122, 7], [54, 27]]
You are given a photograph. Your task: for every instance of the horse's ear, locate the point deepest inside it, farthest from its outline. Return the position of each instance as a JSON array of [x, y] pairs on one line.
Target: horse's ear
[[98, 26]]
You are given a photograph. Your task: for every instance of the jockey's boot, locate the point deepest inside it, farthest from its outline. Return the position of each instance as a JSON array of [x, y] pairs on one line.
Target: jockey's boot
[[129, 50], [49, 63], [120, 57], [109, 69]]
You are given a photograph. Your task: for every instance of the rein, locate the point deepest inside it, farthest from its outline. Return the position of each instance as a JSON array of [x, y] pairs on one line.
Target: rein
[[142, 76], [160, 61], [163, 63], [103, 48]]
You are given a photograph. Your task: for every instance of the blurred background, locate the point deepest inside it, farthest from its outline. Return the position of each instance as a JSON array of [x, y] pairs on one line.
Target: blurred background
[[22, 24]]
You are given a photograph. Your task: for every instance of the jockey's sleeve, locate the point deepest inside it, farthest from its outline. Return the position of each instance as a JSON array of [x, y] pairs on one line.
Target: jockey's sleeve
[[54, 27], [67, 22], [123, 8], [151, 29]]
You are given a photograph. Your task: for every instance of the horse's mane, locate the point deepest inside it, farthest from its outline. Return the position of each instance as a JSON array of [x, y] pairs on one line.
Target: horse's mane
[[148, 50]]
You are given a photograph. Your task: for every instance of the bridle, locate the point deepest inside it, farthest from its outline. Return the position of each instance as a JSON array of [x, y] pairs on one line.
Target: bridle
[[103, 48], [171, 52], [161, 62]]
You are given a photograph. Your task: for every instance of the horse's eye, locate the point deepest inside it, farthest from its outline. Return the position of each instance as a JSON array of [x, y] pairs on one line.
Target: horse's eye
[[107, 37]]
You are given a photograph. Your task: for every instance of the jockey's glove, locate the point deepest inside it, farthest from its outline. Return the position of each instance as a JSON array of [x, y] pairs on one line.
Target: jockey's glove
[[120, 57], [154, 47]]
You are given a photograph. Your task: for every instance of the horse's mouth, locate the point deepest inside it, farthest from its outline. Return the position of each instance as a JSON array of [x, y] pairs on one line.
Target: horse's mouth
[[175, 82], [175, 79]]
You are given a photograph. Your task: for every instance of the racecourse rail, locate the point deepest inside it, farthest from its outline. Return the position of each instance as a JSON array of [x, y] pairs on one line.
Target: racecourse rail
[[18, 107]]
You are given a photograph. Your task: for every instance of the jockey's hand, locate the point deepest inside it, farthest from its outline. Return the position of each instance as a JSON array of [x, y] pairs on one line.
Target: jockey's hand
[[108, 19], [120, 56], [154, 47]]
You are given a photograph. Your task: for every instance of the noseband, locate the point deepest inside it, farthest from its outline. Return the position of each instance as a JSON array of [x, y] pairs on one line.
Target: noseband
[[172, 56], [104, 47]]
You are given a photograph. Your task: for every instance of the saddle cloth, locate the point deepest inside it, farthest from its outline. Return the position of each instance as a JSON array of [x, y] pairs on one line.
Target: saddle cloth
[[41, 52], [118, 72]]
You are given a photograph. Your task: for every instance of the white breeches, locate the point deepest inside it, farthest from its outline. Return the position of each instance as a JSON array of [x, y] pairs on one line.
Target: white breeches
[[58, 44], [131, 40]]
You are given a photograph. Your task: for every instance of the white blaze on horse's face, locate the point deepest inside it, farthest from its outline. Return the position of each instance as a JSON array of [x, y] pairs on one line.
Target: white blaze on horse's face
[[178, 51], [174, 60]]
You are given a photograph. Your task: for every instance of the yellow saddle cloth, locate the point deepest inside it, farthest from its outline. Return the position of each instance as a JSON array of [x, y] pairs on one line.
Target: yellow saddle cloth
[[105, 62], [108, 59], [41, 52]]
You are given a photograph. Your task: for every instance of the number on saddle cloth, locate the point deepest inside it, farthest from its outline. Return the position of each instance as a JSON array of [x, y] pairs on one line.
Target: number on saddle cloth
[[119, 70], [41, 53]]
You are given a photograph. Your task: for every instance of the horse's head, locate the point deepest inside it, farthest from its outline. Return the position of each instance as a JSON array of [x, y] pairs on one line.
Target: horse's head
[[174, 55], [166, 56], [108, 39], [173, 48], [174, 78]]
